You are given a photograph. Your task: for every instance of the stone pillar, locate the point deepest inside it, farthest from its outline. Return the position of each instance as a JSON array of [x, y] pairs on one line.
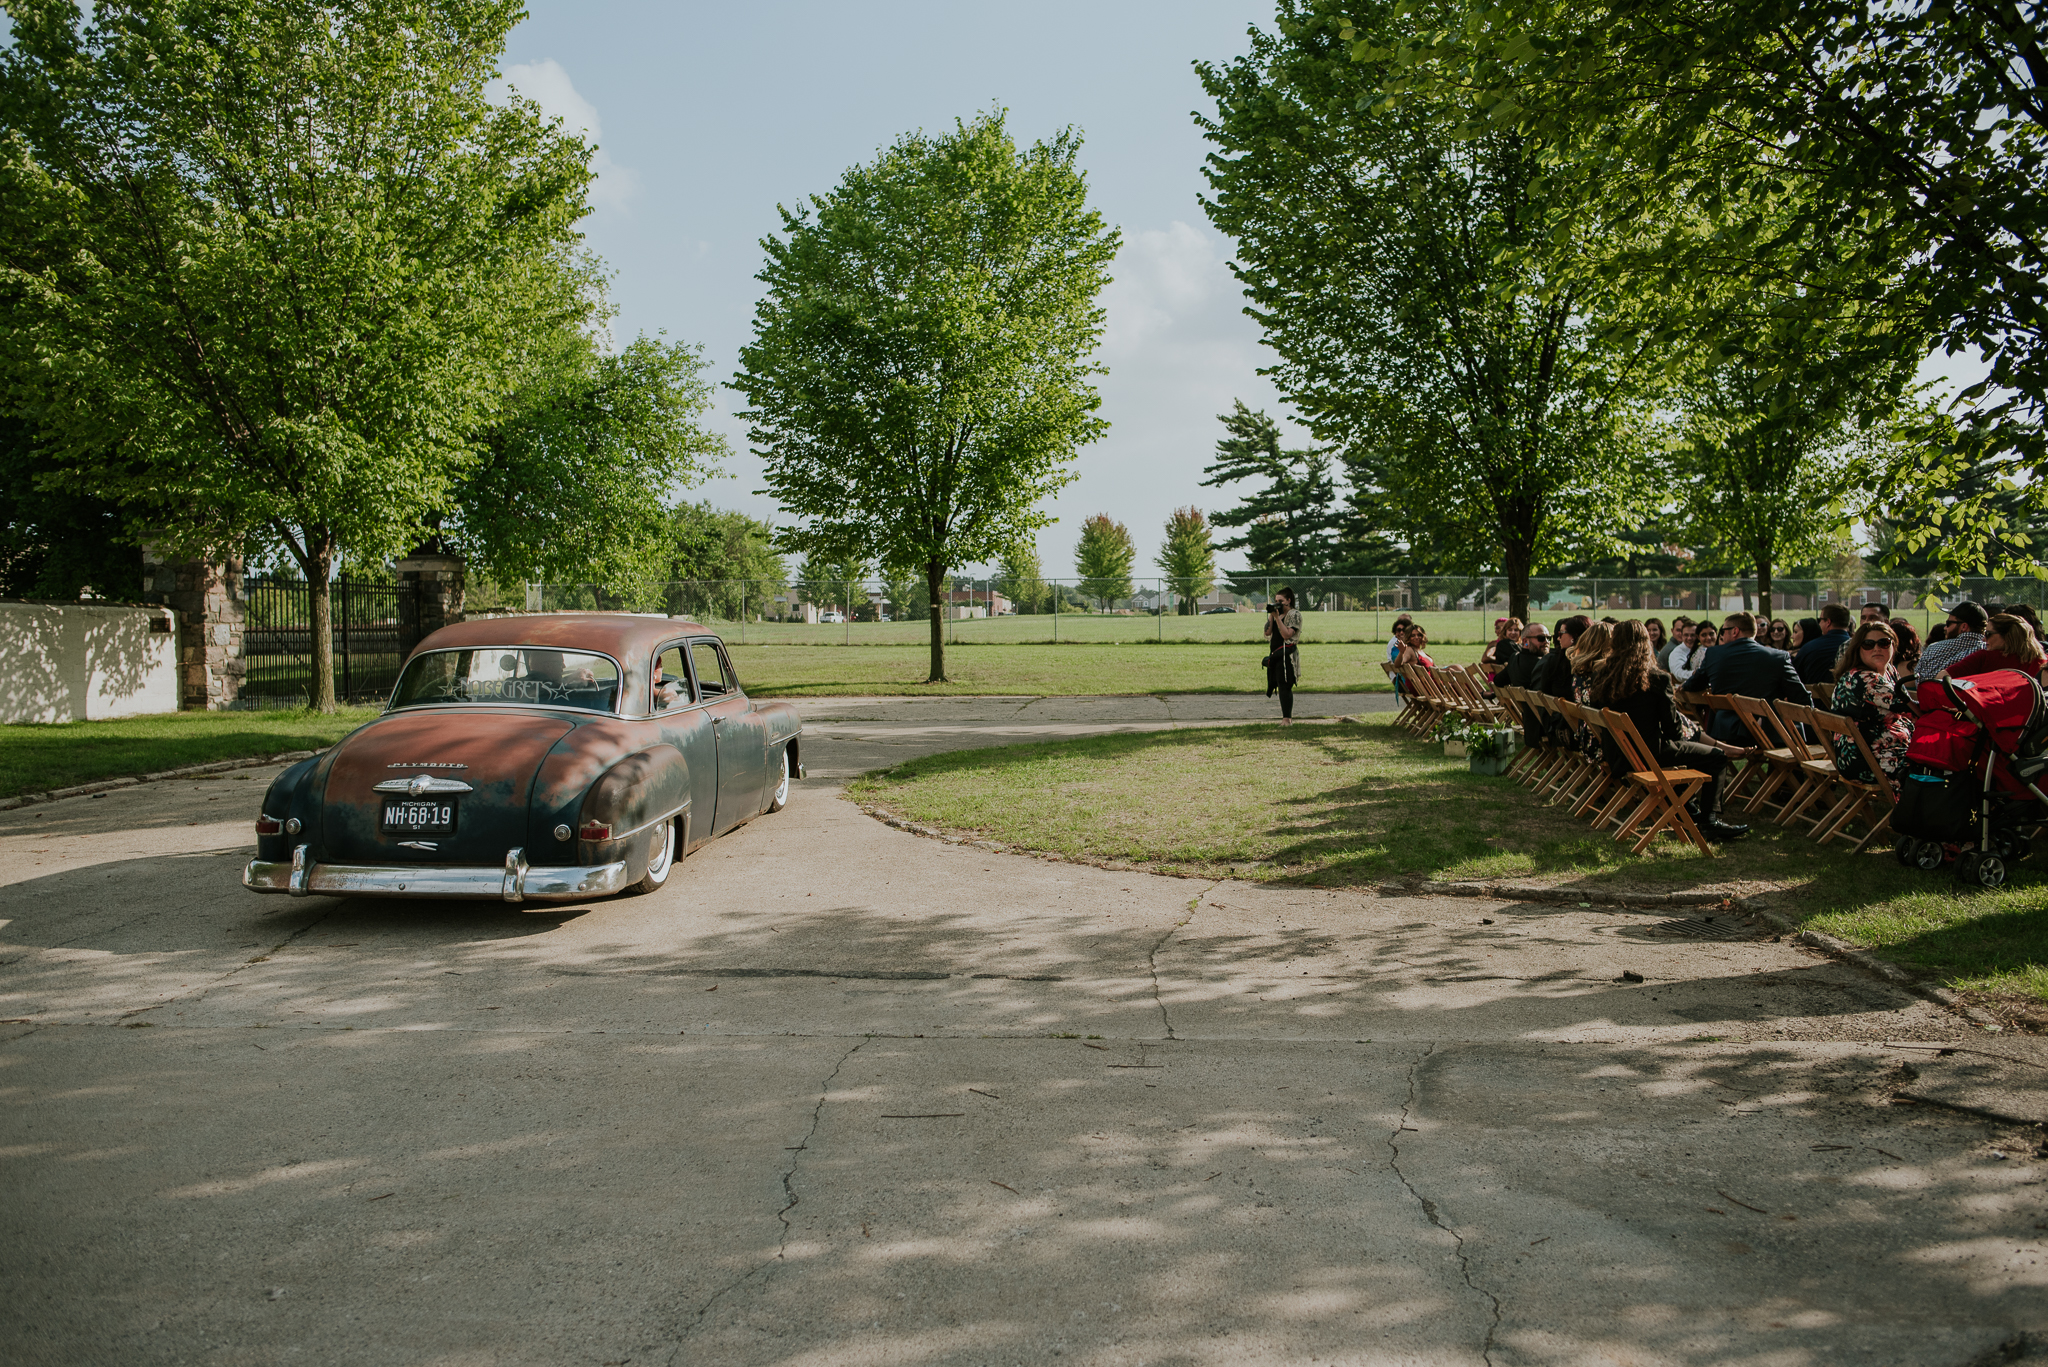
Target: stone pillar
[[207, 596], [430, 594]]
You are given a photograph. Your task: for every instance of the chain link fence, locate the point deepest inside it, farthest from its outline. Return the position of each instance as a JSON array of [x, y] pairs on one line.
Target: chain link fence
[[1337, 609]]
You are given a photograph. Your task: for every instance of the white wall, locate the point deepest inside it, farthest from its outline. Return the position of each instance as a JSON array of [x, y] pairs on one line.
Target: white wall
[[82, 662]]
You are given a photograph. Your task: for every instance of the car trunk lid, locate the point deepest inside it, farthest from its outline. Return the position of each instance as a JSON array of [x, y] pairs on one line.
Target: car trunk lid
[[494, 751]]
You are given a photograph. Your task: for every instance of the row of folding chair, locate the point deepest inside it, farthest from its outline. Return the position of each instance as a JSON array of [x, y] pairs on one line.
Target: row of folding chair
[[1795, 780], [1648, 801], [1428, 695]]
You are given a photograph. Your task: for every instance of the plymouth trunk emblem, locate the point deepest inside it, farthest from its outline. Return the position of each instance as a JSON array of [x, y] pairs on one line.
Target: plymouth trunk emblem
[[421, 784]]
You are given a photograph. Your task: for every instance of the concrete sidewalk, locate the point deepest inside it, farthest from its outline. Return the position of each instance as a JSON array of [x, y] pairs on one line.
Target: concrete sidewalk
[[838, 1094]]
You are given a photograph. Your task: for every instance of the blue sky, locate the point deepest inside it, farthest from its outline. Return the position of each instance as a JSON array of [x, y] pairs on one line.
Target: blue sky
[[707, 116]]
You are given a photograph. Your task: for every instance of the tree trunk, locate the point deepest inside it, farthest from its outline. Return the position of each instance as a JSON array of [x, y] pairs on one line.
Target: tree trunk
[[1516, 557], [1763, 583], [934, 575], [319, 569]]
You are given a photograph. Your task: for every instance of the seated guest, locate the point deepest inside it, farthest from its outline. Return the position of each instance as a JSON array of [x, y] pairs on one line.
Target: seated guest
[[1395, 643], [1742, 666], [2026, 614], [1658, 640], [1629, 682], [1804, 632], [2008, 644], [1681, 634], [1588, 652], [1415, 647], [1522, 668], [1555, 677], [1875, 612], [1909, 646], [1815, 660], [1779, 636], [1867, 692], [1506, 632], [1687, 656], [1963, 634]]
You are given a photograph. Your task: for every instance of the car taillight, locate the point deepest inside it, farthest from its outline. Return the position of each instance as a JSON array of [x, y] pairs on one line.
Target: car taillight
[[595, 830], [268, 825]]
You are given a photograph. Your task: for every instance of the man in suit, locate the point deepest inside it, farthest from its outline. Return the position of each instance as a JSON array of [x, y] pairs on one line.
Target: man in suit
[[1740, 665], [1816, 659], [1524, 665]]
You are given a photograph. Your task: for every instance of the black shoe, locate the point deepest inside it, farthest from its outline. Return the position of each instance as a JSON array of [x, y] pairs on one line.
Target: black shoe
[[1722, 830]]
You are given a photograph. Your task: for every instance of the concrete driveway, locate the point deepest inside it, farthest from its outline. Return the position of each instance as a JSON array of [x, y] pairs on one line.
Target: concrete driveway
[[838, 1094]]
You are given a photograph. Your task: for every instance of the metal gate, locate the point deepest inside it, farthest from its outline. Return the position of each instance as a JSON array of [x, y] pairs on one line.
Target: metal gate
[[277, 638]]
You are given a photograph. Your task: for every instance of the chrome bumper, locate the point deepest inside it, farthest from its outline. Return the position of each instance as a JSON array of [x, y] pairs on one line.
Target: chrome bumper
[[516, 882]]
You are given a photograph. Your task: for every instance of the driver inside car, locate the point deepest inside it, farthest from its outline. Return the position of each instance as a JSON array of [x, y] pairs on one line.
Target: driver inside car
[[547, 668]]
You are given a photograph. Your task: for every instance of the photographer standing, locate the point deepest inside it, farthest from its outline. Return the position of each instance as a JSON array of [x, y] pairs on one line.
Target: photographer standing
[[1283, 655]]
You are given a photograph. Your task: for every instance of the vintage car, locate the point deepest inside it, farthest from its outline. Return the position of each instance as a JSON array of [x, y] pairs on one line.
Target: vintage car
[[532, 759]]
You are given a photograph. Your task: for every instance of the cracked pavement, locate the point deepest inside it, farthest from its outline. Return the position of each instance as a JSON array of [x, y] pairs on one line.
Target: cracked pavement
[[838, 1094]]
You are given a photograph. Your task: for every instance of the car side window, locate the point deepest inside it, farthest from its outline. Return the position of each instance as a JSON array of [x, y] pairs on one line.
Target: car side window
[[713, 680], [671, 679]]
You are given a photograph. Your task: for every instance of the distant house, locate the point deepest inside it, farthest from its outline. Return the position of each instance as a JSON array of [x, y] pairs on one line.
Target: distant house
[[961, 603]]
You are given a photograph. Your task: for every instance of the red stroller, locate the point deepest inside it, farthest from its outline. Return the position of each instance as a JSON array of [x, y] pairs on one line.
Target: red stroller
[[1973, 781]]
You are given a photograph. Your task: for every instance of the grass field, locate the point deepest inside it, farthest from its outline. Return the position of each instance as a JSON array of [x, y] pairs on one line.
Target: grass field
[[804, 671], [1356, 804], [38, 758], [1473, 628]]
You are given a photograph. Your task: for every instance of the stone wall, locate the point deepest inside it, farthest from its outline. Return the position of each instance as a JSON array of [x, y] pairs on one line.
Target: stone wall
[[431, 597], [207, 598]]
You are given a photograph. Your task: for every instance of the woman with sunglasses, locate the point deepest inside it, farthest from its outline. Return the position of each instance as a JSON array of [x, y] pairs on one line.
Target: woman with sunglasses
[[1867, 692], [2008, 644]]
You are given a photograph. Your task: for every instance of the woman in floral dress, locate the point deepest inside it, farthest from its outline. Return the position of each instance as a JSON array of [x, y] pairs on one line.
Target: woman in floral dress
[[1867, 692]]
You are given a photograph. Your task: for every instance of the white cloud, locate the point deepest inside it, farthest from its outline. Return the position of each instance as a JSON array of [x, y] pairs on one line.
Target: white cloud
[[1179, 351], [549, 86]]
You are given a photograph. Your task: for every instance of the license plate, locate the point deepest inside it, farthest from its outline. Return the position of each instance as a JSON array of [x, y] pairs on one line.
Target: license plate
[[419, 817]]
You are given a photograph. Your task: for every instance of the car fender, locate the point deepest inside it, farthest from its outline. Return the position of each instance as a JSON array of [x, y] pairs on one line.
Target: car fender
[[638, 792], [292, 796]]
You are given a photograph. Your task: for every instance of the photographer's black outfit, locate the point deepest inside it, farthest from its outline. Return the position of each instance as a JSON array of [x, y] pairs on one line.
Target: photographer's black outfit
[[1283, 661]]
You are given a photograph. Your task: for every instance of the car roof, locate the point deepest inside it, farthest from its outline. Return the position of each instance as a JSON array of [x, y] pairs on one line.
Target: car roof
[[619, 634]]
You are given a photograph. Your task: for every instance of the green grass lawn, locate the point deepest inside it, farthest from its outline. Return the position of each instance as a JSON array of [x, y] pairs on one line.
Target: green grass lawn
[[1357, 804], [38, 758], [1048, 670]]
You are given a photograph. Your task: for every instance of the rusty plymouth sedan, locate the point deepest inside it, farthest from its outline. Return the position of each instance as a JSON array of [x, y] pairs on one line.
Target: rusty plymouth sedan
[[532, 759]]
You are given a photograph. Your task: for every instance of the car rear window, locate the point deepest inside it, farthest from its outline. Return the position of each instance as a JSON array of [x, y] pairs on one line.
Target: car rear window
[[511, 676]]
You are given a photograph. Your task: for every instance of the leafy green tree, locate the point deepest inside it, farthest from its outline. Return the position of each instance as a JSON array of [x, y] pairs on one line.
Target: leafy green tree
[[1103, 558], [572, 482], [1422, 286], [721, 564], [54, 543], [267, 268], [1290, 525], [1830, 144], [1187, 557], [1021, 579], [920, 370], [908, 597]]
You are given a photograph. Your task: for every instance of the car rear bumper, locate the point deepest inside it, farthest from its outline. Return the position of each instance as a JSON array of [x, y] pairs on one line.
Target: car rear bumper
[[515, 882]]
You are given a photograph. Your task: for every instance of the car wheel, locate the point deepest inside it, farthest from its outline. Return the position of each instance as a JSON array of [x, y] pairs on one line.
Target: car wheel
[[781, 797], [661, 857]]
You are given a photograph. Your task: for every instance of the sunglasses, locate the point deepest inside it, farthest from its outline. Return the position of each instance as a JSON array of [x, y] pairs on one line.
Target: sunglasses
[[1877, 645]]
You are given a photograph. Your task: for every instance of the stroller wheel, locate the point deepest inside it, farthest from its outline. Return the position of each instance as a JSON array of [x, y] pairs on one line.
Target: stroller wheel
[[2012, 848], [1903, 850], [1928, 855], [1980, 869]]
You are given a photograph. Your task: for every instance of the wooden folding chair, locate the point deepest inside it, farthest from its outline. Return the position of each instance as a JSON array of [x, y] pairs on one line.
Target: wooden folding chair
[[1817, 774], [1584, 775], [1410, 705], [1740, 779], [1611, 793], [1665, 791], [1778, 757], [1428, 709], [1514, 714], [1823, 695], [1548, 754], [1870, 799]]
